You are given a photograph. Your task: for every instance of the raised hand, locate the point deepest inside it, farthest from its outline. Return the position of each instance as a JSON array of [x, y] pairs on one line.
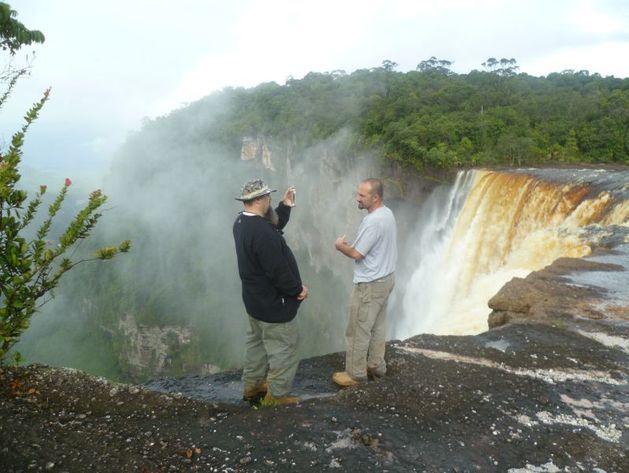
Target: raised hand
[[289, 197]]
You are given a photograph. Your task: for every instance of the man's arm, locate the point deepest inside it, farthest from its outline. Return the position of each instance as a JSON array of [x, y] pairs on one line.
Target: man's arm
[[283, 214], [349, 251]]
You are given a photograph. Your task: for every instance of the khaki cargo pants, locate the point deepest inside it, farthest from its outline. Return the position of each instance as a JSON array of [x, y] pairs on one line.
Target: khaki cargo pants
[[366, 330], [271, 355]]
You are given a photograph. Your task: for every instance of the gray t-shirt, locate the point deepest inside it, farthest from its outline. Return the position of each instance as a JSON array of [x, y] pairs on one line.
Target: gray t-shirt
[[377, 242]]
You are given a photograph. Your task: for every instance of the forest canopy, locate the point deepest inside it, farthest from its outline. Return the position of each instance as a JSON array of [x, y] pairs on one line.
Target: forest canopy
[[433, 117]]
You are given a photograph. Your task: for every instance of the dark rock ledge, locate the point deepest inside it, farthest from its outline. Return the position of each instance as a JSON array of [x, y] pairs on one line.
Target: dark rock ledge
[[545, 392], [548, 294]]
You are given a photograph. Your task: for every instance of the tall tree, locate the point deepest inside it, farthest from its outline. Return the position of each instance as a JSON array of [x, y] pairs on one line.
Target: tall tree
[[389, 66], [13, 34], [440, 66]]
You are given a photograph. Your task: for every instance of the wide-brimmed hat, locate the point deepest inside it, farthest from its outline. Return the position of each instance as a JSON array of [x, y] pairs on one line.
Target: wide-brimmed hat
[[253, 189]]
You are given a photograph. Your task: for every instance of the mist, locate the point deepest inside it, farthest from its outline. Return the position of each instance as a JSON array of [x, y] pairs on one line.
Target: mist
[[173, 304]]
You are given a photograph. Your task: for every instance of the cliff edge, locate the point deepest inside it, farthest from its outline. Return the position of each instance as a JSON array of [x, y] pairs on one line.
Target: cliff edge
[[544, 391]]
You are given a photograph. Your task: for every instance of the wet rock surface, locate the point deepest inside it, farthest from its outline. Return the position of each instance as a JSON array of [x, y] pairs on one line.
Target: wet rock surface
[[542, 393], [605, 178], [596, 287], [523, 397]]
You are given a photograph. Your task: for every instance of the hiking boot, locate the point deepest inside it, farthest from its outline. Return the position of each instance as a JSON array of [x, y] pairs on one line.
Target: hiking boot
[[342, 379], [374, 374], [270, 400], [254, 393]]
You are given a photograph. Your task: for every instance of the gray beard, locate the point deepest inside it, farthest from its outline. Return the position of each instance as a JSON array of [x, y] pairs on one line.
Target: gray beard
[[271, 216]]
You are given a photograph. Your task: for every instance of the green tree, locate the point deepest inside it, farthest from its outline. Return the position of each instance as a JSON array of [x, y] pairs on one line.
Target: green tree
[[388, 65], [13, 34], [503, 67], [31, 268], [515, 149], [440, 66]]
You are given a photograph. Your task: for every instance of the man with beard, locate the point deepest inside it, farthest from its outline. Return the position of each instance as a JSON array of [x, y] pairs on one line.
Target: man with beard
[[375, 255], [272, 292]]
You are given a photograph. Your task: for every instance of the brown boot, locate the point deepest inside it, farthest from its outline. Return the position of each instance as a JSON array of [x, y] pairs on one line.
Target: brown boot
[[342, 379], [270, 400], [374, 374], [254, 393]]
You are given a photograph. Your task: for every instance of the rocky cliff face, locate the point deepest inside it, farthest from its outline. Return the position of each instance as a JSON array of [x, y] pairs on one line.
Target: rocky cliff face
[[327, 178], [256, 148], [149, 349]]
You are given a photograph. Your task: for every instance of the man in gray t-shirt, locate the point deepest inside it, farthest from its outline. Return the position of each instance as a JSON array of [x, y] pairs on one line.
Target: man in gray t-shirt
[[375, 254]]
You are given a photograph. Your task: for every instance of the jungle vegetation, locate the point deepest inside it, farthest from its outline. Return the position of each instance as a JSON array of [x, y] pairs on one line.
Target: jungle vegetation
[[434, 117]]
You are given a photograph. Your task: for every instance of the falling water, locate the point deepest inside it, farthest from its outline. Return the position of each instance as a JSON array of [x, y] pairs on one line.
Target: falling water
[[494, 226], [424, 256]]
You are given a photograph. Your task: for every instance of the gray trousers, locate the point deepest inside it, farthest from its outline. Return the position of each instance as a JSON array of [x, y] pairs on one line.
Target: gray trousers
[[366, 332], [271, 355]]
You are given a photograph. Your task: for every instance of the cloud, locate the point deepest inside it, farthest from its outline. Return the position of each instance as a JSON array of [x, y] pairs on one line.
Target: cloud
[[592, 17], [594, 58], [274, 42], [111, 65]]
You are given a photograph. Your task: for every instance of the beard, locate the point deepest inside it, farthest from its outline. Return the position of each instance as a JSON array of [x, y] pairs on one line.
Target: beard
[[271, 216]]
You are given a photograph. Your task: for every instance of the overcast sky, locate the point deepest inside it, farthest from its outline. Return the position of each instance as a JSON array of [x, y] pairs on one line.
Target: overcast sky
[[112, 63]]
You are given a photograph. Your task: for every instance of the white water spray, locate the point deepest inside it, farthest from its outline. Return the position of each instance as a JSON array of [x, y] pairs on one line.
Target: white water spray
[[424, 259]]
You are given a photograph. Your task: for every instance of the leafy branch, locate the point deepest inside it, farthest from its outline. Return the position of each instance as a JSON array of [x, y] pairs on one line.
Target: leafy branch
[[30, 270]]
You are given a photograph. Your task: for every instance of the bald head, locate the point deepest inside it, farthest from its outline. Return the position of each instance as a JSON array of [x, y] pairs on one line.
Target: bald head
[[375, 185], [369, 194]]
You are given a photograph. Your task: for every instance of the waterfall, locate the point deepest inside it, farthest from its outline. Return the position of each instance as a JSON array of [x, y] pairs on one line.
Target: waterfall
[[423, 257], [491, 227]]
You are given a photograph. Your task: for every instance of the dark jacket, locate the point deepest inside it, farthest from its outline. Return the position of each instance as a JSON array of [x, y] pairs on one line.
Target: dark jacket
[[268, 270]]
